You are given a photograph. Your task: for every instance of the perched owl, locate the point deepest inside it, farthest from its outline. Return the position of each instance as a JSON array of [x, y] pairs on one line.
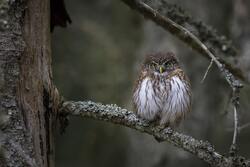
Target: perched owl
[[162, 93]]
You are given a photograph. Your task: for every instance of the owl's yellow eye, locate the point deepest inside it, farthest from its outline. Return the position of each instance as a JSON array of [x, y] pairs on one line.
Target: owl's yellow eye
[[153, 65], [169, 65]]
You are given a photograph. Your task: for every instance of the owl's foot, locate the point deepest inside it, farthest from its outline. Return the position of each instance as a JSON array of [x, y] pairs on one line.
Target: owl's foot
[[159, 129], [153, 123], [159, 139], [164, 129]]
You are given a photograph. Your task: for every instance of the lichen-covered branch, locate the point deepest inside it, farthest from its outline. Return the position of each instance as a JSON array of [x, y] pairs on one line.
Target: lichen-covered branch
[[114, 114], [183, 26], [207, 34], [228, 70]]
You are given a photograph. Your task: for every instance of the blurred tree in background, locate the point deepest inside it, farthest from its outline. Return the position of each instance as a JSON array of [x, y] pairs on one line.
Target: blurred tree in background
[[97, 58]]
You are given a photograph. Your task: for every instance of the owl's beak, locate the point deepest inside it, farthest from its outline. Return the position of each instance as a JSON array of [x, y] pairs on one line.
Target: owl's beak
[[161, 69]]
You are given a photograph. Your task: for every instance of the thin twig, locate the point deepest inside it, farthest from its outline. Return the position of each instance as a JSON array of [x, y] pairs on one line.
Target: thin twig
[[240, 128], [235, 126], [235, 102], [243, 127], [208, 68]]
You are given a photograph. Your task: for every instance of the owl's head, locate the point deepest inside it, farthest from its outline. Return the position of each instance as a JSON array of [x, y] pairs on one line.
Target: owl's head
[[161, 63]]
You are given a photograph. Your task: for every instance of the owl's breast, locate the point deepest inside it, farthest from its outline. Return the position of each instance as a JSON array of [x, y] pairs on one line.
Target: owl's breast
[[165, 98], [177, 102], [145, 99], [162, 88]]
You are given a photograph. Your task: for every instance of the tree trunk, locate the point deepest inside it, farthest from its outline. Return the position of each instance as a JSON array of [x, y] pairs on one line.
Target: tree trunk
[[28, 99]]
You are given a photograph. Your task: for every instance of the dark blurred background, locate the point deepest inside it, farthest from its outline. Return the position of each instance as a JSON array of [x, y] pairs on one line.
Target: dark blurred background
[[97, 58]]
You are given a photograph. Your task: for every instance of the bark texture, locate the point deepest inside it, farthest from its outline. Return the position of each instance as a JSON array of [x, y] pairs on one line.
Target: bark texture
[[28, 98]]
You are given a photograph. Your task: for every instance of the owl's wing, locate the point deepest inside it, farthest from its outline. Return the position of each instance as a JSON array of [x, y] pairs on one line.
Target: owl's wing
[[142, 76]]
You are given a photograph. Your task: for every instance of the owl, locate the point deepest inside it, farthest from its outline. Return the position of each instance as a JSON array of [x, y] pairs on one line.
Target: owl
[[162, 93]]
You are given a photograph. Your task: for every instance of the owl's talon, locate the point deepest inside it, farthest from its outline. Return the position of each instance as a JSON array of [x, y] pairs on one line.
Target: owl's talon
[[158, 139], [161, 127]]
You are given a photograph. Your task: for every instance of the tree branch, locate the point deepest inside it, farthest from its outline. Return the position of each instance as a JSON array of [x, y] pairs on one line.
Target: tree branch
[[114, 114], [236, 104], [208, 68], [205, 33], [230, 73], [228, 70]]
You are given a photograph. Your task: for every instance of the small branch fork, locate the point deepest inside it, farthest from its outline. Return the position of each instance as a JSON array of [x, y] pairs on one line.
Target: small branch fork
[[114, 114], [240, 128]]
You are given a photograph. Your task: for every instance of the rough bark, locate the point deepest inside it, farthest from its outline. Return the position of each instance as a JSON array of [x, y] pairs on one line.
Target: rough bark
[[28, 98]]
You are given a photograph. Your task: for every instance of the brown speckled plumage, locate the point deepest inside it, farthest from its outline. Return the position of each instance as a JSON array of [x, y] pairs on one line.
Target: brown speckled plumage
[[162, 92]]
